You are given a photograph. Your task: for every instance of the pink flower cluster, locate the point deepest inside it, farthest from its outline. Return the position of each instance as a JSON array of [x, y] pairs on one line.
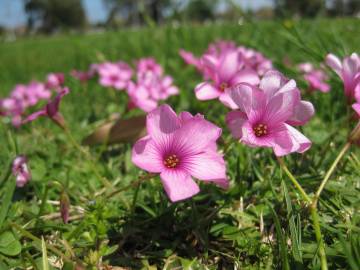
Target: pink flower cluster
[[315, 77], [349, 71], [24, 96], [151, 85], [223, 66], [21, 171]]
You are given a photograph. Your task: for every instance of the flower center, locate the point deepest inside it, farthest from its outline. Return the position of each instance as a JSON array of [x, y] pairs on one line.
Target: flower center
[[171, 161], [223, 86], [114, 78], [260, 130]]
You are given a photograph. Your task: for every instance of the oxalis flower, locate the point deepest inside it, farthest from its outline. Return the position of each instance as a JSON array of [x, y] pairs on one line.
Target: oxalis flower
[[116, 75], [179, 148], [315, 77], [224, 72], [348, 70], [266, 114], [51, 110], [21, 171], [356, 106]]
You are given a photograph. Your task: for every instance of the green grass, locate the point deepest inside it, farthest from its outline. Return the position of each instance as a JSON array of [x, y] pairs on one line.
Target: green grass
[[214, 230]]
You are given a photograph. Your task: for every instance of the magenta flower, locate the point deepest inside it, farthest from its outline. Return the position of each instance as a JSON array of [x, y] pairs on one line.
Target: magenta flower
[[267, 112], [255, 60], [116, 75], [140, 97], [224, 73], [148, 67], [82, 76], [51, 110], [315, 77], [179, 148], [55, 80], [348, 70], [21, 171]]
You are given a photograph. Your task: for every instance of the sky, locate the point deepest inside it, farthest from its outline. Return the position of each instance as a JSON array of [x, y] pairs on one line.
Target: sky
[[12, 11]]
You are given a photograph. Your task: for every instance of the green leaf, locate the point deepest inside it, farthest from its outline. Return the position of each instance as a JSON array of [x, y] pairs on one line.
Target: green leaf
[[45, 264], [9, 245], [6, 201]]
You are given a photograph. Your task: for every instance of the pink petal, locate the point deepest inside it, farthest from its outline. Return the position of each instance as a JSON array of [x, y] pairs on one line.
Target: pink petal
[[227, 100], [356, 107], [194, 136], [235, 121], [206, 91], [147, 156], [303, 111], [271, 82], [334, 62], [246, 76], [290, 141], [247, 97], [209, 166], [228, 66], [178, 184], [34, 116], [280, 107], [161, 122]]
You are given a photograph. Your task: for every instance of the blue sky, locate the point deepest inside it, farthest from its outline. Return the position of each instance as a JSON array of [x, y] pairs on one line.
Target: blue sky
[[12, 11]]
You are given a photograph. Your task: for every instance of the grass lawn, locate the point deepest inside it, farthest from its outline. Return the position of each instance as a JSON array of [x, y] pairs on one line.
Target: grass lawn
[[260, 222]]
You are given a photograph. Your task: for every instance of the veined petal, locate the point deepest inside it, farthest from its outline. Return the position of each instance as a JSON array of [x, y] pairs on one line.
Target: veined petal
[[161, 122], [245, 76], [235, 121], [206, 91], [227, 100], [248, 98], [356, 107], [271, 82], [228, 65], [334, 62], [178, 184], [147, 156], [208, 165], [194, 136], [303, 111]]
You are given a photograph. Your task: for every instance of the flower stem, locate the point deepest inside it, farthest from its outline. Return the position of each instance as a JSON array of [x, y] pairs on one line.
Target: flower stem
[[293, 180], [319, 238], [329, 173], [105, 181], [314, 214]]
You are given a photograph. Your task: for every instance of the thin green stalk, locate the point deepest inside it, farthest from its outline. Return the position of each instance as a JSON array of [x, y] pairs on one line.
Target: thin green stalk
[[293, 180], [314, 215], [29, 235], [329, 173], [105, 181], [319, 238]]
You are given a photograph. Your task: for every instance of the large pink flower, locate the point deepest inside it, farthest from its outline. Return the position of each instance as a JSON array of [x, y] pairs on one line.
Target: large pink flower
[[51, 110], [21, 171], [348, 70], [224, 72], [267, 112], [116, 75], [315, 77], [179, 148]]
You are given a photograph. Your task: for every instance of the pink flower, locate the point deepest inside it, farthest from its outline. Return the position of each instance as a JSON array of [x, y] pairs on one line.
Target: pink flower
[[148, 66], [116, 75], [21, 171], [347, 70], [179, 148], [224, 73], [140, 97], [82, 76], [51, 110], [150, 87], [55, 80], [255, 60], [267, 112], [315, 77]]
